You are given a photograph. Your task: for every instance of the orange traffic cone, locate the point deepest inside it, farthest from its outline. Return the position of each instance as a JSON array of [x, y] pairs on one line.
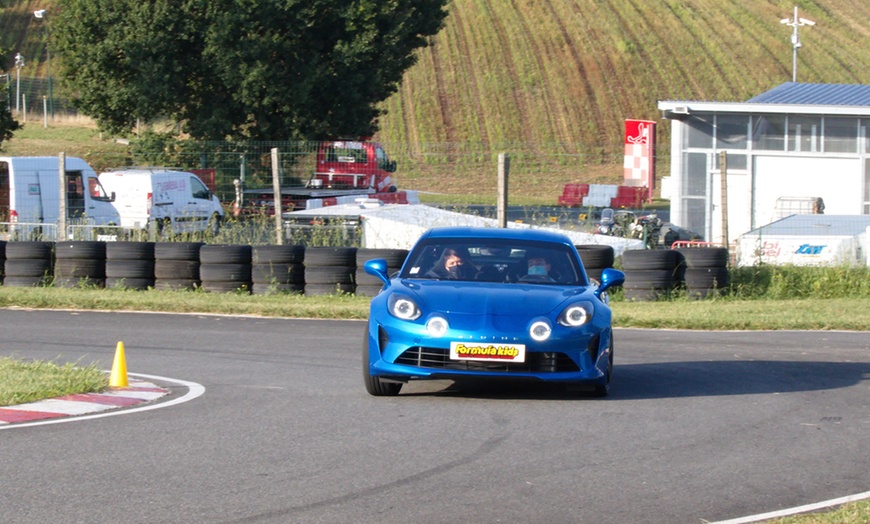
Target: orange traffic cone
[[118, 378]]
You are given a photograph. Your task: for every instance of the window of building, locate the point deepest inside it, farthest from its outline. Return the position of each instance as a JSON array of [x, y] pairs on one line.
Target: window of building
[[732, 131], [700, 132], [841, 135], [694, 215], [768, 132], [695, 179], [735, 162], [867, 186], [803, 133], [865, 135]]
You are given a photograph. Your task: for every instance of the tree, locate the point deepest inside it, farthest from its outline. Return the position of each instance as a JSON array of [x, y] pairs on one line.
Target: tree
[[7, 124], [241, 69]]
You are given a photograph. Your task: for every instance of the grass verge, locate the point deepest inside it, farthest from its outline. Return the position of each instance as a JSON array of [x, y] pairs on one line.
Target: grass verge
[[28, 381]]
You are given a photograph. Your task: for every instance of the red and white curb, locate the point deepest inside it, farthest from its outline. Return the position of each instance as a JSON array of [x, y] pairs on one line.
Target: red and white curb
[[137, 392]]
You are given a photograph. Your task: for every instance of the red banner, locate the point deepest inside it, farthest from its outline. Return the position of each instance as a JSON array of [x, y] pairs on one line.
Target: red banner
[[639, 163]]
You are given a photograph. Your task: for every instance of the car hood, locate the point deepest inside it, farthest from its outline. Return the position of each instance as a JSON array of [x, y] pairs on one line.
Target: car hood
[[494, 299]]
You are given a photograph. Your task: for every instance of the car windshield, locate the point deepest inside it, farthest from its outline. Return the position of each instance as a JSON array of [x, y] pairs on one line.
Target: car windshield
[[494, 260]]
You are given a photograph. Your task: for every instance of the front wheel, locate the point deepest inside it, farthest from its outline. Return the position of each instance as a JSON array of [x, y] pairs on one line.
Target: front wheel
[[375, 385], [601, 390]]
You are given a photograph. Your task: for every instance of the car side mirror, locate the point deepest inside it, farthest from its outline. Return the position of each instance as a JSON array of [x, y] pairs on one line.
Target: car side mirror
[[112, 197], [377, 267], [391, 167], [610, 278]]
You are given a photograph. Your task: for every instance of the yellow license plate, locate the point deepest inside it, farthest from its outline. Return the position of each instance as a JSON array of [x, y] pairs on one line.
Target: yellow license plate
[[487, 352]]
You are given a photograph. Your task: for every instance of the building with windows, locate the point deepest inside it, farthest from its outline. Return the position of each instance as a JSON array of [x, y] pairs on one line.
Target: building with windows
[[798, 148]]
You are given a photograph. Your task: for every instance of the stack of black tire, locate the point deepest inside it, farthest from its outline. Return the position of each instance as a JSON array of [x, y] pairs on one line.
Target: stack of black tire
[[130, 265], [368, 285], [28, 264], [80, 263], [596, 258], [278, 269], [651, 274], [176, 265], [225, 268], [329, 270], [706, 270]]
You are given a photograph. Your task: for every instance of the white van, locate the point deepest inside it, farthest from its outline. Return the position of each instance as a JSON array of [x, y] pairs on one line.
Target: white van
[[30, 195], [164, 197]]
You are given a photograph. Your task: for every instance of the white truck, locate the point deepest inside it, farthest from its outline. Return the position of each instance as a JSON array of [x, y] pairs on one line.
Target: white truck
[[163, 197], [30, 197]]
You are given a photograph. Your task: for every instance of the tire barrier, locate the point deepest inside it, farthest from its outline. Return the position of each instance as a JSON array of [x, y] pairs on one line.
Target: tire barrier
[[368, 285], [130, 265], [176, 265], [28, 264], [329, 270], [225, 268], [651, 273], [596, 258], [706, 270], [278, 269], [80, 263]]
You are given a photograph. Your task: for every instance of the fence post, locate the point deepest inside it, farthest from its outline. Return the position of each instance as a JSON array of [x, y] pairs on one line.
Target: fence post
[[61, 215], [276, 187], [723, 174], [504, 167]]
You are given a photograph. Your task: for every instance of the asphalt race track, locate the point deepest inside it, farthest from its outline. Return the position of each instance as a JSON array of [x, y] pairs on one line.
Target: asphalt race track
[[699, 426]]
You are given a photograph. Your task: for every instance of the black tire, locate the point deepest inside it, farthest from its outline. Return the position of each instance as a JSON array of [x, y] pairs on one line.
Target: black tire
[[601, 390], [35, 281], [76, 282], [226, 287], [79, 268], [710, 277], [27, 267], [279, 273], [368, 291], [649, 278], [394, 257], [374, 385], [698, 257], [176, 269], [594, 273], [225, 273], [292, 254], [276, 289], [643, 259], [329, 275], [596, 255], [330, 256], [177, 250], [129, 283], [646, 294], [175, 284], [28, 250], [315, 290], [80, 249], [225, 254], [130, 269], [130, 251]]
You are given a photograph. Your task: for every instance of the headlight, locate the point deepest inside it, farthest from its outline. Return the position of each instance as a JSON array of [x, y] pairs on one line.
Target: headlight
[[574, 315], [404, 308], [540, 331], [437, 326]]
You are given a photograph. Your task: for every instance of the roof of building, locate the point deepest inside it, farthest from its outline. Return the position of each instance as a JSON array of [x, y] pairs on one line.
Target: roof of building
[[857, 95], [815, 225], [787, 98]]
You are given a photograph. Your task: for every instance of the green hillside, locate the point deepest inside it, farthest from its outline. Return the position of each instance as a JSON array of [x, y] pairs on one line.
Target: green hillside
[[551, 81]]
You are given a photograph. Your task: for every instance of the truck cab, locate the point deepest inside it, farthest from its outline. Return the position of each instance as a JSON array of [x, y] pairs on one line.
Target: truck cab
[[353, 164]]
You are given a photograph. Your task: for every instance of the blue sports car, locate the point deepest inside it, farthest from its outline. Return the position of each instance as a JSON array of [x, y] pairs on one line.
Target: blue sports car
[[477, 303]]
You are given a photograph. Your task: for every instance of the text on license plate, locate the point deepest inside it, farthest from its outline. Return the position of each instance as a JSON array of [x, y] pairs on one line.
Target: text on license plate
[[487, 352]]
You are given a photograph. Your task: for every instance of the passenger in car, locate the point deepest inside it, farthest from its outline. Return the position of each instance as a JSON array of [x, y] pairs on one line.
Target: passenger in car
[[454, 264]]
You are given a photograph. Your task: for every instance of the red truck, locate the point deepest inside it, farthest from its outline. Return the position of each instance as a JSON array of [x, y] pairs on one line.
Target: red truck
[[345, 168]]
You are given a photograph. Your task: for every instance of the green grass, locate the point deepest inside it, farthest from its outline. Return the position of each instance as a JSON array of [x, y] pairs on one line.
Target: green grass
[[852, 513], [24, 381]]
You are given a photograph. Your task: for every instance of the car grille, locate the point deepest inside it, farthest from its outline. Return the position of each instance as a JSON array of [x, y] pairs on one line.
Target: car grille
[[436, 358]]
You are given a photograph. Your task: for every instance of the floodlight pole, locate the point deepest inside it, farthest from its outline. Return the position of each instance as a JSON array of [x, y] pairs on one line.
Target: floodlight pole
[[19, 63], [795, 39], [43, 14]]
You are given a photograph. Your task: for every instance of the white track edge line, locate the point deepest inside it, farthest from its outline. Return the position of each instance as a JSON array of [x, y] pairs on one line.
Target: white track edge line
[[796, 510], [194, 390]]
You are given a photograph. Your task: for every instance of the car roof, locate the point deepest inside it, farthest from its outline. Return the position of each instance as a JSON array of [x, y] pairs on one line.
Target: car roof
[[526, 234]]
